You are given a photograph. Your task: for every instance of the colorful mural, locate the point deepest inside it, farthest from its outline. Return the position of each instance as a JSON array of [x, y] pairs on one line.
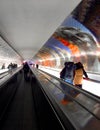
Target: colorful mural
[[88, 13], [76, 39]]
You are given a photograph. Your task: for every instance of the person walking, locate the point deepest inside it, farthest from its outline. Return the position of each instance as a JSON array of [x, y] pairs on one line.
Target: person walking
[[78, 75], [26, 71], [3, 66], [67, 75], [67, 72]]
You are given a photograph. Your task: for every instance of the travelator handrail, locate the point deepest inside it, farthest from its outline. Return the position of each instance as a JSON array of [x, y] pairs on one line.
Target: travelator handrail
[[8, 88], [9, 75], [88, 72], [3, 71], [2, 75], [93, 98], [93, 73], [91, 95], [52, 104]]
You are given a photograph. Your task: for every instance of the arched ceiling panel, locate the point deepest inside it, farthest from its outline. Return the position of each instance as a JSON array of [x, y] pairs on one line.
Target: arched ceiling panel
[[8, 54], [80, 35], [27, 24]]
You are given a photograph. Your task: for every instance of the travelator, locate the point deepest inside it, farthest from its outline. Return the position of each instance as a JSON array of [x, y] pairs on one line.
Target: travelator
[[81, 112]]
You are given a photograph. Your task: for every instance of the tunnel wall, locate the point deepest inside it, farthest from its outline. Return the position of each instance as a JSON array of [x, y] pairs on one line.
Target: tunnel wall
[[76, 39], [8, 55]]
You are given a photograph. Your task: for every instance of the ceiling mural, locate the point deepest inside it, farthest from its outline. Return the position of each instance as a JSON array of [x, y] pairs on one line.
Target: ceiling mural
[[88, 13], [78, 37]]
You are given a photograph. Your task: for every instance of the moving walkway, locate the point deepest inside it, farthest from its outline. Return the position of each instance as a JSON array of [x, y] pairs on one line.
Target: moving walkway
[[37, 104]]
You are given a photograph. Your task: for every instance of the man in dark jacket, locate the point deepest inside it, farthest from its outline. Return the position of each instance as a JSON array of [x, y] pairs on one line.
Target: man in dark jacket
[[26, 71], [67, 72]]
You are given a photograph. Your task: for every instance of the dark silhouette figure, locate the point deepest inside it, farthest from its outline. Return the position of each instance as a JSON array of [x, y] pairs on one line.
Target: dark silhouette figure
[[26, 71], [3, 66], [37, 66]]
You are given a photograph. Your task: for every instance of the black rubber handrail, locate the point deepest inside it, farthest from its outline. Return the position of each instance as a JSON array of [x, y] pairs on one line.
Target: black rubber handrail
[[90, 79], [2, 76], [88, 94], [11, 73], [49, 80], [4, 72]]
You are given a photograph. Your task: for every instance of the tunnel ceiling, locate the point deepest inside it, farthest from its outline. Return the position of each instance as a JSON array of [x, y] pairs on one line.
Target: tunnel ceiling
[[27, 25]]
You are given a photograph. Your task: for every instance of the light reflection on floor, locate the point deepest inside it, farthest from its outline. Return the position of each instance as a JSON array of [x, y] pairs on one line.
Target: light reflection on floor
[[87, 85]]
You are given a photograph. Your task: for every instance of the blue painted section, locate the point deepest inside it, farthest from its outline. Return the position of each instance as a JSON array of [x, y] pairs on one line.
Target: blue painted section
[[53, 43]]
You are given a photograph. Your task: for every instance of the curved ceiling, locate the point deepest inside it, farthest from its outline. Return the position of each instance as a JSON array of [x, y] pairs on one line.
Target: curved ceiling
[[27, 25]]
